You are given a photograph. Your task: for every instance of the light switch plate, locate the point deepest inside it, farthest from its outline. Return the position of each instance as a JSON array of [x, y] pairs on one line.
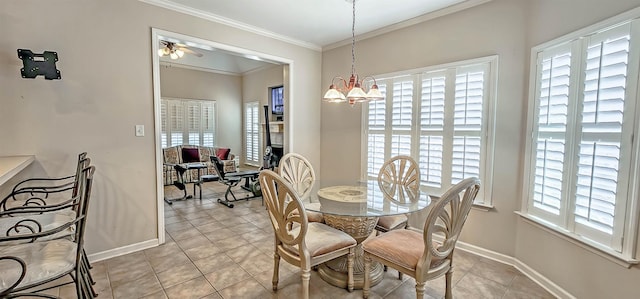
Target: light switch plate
[[139, 130]]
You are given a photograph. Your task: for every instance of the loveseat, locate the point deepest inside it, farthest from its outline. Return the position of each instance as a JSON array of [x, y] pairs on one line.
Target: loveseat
[[193, 153]]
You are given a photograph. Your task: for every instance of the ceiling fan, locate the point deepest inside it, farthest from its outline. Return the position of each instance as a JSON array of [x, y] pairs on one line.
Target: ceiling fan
[[175, 50]]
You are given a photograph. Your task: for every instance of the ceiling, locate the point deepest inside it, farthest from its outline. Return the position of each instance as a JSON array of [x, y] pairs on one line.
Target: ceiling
[[315, 24]]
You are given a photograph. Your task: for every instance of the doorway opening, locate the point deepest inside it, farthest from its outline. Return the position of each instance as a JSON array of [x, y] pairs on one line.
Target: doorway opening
[[190, 72]]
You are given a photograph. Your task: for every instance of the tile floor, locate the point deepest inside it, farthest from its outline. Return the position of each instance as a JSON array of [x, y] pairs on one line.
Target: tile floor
[[212, 251]]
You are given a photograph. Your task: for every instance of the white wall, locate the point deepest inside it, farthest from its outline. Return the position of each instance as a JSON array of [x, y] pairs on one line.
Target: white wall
[[105, 52], [508, 28], [226, 90]]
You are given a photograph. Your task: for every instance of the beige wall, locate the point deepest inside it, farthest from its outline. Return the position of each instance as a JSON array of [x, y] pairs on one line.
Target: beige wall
[[255, 87], [508, 28], [105, 56], [452, 38], [226, 90], [579, 271]]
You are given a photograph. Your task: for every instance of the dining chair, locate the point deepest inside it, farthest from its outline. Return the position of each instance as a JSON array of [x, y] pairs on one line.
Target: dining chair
[[34, 192], [44, 261], [427, 255], [297, 241], [401, 170], [298, 172]]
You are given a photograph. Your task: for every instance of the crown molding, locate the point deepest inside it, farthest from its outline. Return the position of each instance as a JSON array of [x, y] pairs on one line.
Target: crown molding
[[423, 18], [197, 68], [229, 22]]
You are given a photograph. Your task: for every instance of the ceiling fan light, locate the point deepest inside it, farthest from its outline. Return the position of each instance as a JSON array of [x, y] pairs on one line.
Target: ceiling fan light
[[179, 52], [160, 52], [173, 55]]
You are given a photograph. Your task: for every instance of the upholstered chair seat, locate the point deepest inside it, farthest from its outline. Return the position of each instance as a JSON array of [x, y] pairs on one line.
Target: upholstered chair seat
[[44, 260], [388, 223], [322, 239]]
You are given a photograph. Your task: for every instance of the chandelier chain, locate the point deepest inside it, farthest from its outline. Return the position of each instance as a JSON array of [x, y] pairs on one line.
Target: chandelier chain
[[353, 40]]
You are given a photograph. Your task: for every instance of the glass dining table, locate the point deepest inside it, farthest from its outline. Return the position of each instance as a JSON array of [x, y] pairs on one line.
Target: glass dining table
[[355, 207]]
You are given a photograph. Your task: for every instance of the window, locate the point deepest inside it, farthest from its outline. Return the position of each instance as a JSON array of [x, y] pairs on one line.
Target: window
[[442, 117], [579, 174], [251, 133], [187, 122]]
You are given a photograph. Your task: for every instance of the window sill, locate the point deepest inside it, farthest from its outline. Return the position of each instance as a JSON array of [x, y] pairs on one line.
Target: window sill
[[616, 257], [482, 207]]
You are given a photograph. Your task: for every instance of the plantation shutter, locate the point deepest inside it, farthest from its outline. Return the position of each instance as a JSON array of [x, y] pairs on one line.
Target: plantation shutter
[[468, 122], [376, 128], [432, 101], [553, 99], [176, 120], [163, 123], [208, 123], [603, 122], [193, 122], [251, 132], [401, 117]]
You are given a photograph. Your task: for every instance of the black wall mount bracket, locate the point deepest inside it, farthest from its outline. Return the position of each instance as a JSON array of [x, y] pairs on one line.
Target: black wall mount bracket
[[39, 64]]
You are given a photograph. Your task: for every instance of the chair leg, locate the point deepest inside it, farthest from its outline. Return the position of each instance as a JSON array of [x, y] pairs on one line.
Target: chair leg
[[306, 277], [420, 286], [276, 269], [399, 275], [350, 258], [448, 278], [367, 276]]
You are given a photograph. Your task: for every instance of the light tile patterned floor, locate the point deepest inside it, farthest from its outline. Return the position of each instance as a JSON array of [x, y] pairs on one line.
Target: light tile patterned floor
[[212, 251]]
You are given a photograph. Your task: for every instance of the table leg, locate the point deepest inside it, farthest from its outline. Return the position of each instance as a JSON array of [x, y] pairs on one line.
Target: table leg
[[335, 271]]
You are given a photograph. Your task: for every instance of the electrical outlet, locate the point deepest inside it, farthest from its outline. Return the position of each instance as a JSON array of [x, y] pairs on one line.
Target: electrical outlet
[[139, 130]]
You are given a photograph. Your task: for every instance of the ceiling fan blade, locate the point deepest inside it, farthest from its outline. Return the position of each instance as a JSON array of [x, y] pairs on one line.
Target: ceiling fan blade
[[192, 52]]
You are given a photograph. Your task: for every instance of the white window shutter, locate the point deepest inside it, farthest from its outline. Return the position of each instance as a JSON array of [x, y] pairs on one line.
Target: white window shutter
[[163, 120], [375, 154], [432, 102], [208, 123], [252, 133], [552, 101], [176, 120], [402, 105], [193, 122], [599, 153], [376, 133], [468, 123], [377, 110]]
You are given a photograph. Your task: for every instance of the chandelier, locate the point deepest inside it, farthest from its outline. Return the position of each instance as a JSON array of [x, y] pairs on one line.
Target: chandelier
[[171, 50], [354, 88]]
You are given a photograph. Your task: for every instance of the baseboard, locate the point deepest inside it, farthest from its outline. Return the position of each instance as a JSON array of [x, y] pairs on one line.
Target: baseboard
[[538, 278], [107, 254]]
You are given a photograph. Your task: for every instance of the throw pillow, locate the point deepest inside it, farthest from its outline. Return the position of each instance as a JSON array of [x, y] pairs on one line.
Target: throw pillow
[[223, 153], [190, 155]]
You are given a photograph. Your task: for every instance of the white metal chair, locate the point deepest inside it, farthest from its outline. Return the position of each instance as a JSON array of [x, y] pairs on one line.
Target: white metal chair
[[419, 254], [297, 241]]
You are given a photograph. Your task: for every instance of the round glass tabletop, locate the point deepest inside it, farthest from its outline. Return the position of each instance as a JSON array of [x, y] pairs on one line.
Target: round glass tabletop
[[365, 198]]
